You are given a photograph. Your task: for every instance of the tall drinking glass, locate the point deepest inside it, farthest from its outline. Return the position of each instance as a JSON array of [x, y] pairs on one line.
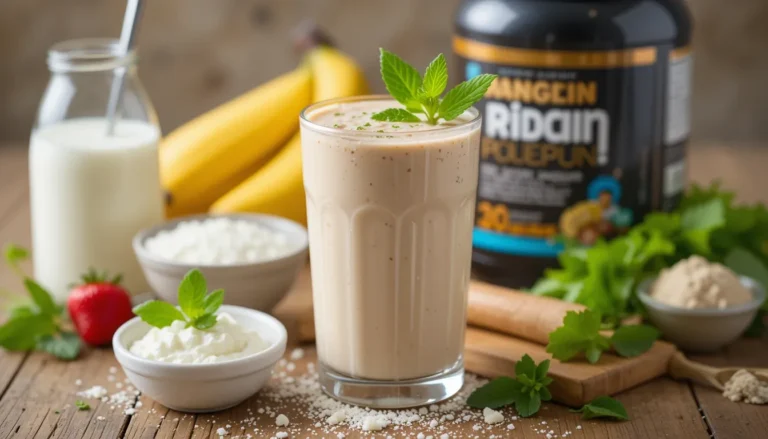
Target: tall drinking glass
[[390, 208]]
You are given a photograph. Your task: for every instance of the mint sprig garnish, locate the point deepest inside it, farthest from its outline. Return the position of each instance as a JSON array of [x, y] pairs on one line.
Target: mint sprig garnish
[[580, 334], [422, 96], [39, 324], [198, 307], [526, 391], [603, 407]]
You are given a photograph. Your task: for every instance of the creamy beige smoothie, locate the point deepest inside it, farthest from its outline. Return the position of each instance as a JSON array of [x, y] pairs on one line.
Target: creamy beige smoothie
[[390, 209]]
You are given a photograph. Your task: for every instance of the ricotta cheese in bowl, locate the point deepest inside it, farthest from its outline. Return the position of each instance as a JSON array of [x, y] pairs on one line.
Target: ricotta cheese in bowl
[[182, 344]]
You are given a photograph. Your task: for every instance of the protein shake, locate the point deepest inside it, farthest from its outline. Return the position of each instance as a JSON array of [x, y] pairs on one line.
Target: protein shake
[[390, 208]]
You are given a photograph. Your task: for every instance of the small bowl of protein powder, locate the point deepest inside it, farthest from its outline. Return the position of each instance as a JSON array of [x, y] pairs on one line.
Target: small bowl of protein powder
[[255, 258], [701, 305]]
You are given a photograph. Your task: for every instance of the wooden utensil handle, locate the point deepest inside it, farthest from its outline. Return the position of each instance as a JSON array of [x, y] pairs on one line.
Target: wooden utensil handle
[[681, 368], [516, 313]]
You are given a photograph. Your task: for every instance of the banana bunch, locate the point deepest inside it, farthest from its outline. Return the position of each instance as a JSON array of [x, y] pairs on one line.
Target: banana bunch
[[245, 155]]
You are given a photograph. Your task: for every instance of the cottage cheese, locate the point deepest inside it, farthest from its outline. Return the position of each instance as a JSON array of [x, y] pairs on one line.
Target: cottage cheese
[[219, 241], [177, 343]]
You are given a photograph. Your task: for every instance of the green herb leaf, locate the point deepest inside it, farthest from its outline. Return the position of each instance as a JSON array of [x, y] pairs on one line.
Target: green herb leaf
[[158, 313], [21, 311], [15, 254], [525, 391], [213, 301], [579, 334], [82, 405], [435, 77], [204, 321], [603, 407], [745, 263], [395, 115], [21, 333], [464, 95], [400, 78], [192, 291], [64, 345], [633, 340], [41, 297], [499, 392]]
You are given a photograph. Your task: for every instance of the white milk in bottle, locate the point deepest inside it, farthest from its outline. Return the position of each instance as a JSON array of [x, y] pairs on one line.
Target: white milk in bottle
[[90, 193], [92, 189]]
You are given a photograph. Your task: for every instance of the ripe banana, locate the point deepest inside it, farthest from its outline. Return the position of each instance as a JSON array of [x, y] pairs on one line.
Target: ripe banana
[[203, 159], [278, 188]]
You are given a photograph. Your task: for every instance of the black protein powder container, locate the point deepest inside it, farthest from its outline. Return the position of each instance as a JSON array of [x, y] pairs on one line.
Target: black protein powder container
[[585, 129]]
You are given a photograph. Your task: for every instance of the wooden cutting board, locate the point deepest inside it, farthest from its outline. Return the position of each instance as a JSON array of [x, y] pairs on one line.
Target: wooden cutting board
[[493, 354]]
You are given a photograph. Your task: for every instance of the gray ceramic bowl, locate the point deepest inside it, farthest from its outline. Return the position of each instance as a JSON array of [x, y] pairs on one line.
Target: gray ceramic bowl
[[702, 330], [257, 285]]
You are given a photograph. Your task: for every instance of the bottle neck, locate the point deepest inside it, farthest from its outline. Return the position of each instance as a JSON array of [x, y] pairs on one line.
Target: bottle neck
[[89, 55]]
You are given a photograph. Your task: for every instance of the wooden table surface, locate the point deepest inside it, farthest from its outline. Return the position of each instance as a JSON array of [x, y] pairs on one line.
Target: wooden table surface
[[37, 391]]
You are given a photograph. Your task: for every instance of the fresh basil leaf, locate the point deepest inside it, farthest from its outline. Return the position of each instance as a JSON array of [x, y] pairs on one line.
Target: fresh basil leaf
[[603, 407], [158, 313], [41, 297], [464, 95], [400, 78], [192, 291], [633, 340], [21, 333], [205, 321], [435, 77], [395, 115], [213, 301], [497, 393], [64, 345], [82, 405]]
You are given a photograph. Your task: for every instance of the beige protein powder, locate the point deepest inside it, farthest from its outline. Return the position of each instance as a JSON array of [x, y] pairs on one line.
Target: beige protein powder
[[744, 386], [698, 283]]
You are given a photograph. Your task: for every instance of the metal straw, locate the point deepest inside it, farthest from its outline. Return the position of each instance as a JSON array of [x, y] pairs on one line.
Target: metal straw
[[127, 42]]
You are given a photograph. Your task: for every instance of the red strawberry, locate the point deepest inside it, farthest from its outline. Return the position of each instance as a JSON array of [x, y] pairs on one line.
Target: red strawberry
[[98, 307]]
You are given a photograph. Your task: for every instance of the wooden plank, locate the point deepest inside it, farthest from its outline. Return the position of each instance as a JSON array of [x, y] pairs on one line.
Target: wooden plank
[[663, 408], [731, 419]]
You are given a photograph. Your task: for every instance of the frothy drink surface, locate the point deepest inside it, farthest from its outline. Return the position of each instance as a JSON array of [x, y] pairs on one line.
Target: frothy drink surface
[[391, 208]]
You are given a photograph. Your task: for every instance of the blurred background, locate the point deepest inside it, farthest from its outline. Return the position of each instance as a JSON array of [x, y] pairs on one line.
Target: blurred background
[[195, 54]]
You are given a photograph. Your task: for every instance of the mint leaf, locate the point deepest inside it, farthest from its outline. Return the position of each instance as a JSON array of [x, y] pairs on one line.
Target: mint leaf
[[603, 407], [41, 297], [464, 95], [21, 333], [82, 405], [525, 391], [633, 340], [499, 392], [204, 322], [158, 313], [213, 301], [64, 345], [528, 404], [395, 115], [400, 78], [21, 311], [192, 291], [580, 333], [435, 78]]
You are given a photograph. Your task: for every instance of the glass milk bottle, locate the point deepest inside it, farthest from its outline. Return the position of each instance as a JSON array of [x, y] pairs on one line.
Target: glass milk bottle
[[92, 190]]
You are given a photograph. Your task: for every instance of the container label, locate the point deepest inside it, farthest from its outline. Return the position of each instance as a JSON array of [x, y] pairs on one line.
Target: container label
[[575, 144]]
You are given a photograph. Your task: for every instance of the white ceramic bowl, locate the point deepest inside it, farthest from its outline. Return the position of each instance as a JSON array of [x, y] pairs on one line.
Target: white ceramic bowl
[[257, 285], [200, 388], [702, 330]]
